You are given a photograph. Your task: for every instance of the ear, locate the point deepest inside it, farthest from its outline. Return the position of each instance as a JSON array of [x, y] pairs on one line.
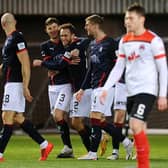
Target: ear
[[3, 24], [143, 19]]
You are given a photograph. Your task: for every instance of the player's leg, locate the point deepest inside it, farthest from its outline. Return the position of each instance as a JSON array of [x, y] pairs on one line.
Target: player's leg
[[115, 130], [80, 110], [7, 118], [119, 120], [61, 107], [141, 106], [95, 118], [9, 106], [27, 126]]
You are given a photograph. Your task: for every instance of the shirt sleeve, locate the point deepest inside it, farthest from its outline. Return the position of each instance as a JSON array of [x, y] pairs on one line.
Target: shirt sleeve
[[20, 44], [121, 52], [115, 74], [159, 54], [158, 48]]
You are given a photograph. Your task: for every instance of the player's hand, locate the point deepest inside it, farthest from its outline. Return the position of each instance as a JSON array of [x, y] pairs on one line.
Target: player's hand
[[103, 96], [79, 95], [162, 103], [74, 53], [27, 94], [75, 61], [52, 73], [37, 62]]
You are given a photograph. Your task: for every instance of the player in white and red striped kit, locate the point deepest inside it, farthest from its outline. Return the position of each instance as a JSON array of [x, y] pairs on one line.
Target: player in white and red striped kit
[[143, 54]]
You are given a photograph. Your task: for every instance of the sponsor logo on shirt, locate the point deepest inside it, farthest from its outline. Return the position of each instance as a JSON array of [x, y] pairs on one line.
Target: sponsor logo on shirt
[[133, 56]]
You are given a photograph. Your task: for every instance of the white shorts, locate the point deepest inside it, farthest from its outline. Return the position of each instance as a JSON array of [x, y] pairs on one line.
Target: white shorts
[[120, 97], [82, 108], [13, 99], [60, 96], [96, 106]]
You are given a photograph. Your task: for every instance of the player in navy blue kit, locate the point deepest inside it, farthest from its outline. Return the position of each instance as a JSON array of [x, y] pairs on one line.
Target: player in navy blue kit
[[75, 59], [16, 70], [102, 55], [59, 89]]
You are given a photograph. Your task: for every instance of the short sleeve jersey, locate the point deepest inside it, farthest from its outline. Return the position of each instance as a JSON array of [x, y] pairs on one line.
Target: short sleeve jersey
[[140, 53], [14, 44], [103, 59], [50, 50], [78, 72]]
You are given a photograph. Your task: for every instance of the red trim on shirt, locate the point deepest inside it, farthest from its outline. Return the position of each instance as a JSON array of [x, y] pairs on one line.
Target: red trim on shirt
[[160, 56], [46, 58], [8, 74], [147, 36], [122, 55], [66, 59], [101, 79], [25, 49]]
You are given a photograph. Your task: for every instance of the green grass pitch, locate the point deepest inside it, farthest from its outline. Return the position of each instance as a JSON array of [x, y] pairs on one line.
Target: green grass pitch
[[22, 152]]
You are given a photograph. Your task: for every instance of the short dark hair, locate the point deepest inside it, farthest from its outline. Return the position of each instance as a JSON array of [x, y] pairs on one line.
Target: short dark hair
[[69, 26], [95, 19], [136, 7], [51, 20]]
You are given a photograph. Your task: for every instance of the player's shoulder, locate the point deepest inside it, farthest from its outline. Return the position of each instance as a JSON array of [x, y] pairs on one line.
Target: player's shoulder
[[45, 43], [17, 35], [110, 39], [147, 36]]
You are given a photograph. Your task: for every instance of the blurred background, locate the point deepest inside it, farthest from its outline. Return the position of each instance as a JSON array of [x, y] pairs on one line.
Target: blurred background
[[31, 15]]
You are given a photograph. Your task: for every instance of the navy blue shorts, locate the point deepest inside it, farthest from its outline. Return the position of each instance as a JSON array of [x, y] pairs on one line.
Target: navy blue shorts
[[140, 105]]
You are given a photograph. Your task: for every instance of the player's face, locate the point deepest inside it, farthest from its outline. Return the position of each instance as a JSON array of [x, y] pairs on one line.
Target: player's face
[[90, 28], [133, 21], [66, 36], [52, 30]]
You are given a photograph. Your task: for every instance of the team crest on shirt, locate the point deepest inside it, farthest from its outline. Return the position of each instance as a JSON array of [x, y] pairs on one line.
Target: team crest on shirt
[[95, 59], [21, 46], [142, 47]]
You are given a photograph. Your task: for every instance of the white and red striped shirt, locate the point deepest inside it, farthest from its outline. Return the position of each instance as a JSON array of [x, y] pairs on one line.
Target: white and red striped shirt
[[144, 58]]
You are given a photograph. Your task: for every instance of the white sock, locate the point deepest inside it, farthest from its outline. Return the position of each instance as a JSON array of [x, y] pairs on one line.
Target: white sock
[[115, 151], [1, 155], [126, 142], [44, 144], [93, 153]]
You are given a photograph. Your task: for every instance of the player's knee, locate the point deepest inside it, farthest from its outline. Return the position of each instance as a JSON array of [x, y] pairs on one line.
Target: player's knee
[[58, 115], [77, 124], [119, 116], [8, 117], [136, 126], [19, 119]]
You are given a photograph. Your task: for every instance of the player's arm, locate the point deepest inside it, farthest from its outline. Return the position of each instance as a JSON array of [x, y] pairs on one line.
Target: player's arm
[[116, 72], [85, 82], [162, 70], [113, 78], [161, 64], [25, 63], [47, 59], [1, 69]]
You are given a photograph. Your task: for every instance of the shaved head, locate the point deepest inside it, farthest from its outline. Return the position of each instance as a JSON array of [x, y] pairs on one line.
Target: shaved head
[[8, 22], [8, 18]]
